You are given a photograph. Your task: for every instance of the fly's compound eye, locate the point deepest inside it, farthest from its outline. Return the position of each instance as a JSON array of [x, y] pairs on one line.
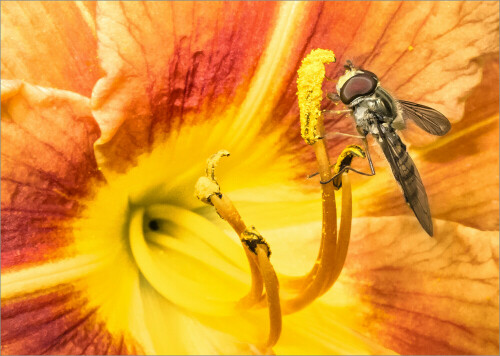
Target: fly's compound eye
[[359, 85]]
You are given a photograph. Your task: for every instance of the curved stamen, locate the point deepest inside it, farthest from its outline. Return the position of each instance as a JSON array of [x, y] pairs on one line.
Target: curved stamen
[[344, 229], [255, 247], [318, 280], [228, 212], [265, 271], [273, 296], [208, 191]]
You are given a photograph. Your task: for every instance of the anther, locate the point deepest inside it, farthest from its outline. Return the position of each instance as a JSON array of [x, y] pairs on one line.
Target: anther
[[252, 238], [207, 186], [212, 163], [310, 78], [343, 165]]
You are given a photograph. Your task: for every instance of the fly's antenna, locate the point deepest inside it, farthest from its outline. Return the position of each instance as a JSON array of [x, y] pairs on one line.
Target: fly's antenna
[[348, 65]]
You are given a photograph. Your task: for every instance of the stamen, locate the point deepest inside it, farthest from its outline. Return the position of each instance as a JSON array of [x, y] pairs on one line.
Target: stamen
[[317, 281], [344, 229], [228, 212], [208, 191], [344, 160], [208, 186], [252, 238], [272, 292], [256, 243], [310, 79], [331, 257], [212, 163], [256, 249]]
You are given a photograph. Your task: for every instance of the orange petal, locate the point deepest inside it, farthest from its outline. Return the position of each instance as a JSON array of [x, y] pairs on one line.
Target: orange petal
[[165, 61], [426, 296], [51, 44], [152, 87], [47, 163], [410, 293], [58, 321], [458, 170]]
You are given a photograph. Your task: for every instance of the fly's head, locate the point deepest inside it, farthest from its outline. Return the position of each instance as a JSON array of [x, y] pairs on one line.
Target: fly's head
[[355, 83]]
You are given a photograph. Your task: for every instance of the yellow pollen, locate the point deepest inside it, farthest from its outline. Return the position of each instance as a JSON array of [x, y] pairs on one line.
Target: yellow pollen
[[350, 151], [207, 186], [310, 79], [410, 48], [213, 161]]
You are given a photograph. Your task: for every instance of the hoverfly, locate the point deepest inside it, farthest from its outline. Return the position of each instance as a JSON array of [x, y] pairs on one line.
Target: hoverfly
[[378, 113]]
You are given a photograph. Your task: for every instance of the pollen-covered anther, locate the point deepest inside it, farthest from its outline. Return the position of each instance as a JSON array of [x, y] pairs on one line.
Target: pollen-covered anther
[[310, 79], [207, 186], [344, 161], [213, 161], [252, 238]]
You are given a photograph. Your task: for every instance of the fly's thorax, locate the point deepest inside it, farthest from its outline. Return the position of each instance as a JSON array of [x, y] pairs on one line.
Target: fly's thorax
[[367, 110], [362, 117], [394, 112]]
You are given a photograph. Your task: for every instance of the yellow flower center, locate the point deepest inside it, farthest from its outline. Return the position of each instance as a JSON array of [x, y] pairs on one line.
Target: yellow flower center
[[164, 253], [161, 251]]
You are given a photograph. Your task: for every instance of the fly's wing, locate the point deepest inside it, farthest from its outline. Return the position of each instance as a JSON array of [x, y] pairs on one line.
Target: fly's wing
[[406, 175], [426, 118]]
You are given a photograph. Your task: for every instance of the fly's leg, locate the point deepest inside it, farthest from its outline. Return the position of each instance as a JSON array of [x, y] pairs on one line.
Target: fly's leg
[[336, 100], [348, 65], [370, 162], [338, 112], [349, 168], [330, 134]]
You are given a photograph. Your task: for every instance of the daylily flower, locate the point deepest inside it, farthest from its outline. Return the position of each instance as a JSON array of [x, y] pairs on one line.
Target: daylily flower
[[109, 112]]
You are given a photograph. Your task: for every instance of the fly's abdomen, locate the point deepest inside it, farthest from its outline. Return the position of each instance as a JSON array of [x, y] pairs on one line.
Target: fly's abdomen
[[403, 160], [406, 175]]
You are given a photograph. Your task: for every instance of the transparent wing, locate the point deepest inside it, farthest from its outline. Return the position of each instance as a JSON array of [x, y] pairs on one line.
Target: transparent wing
[[406, 175], [426, 118]]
